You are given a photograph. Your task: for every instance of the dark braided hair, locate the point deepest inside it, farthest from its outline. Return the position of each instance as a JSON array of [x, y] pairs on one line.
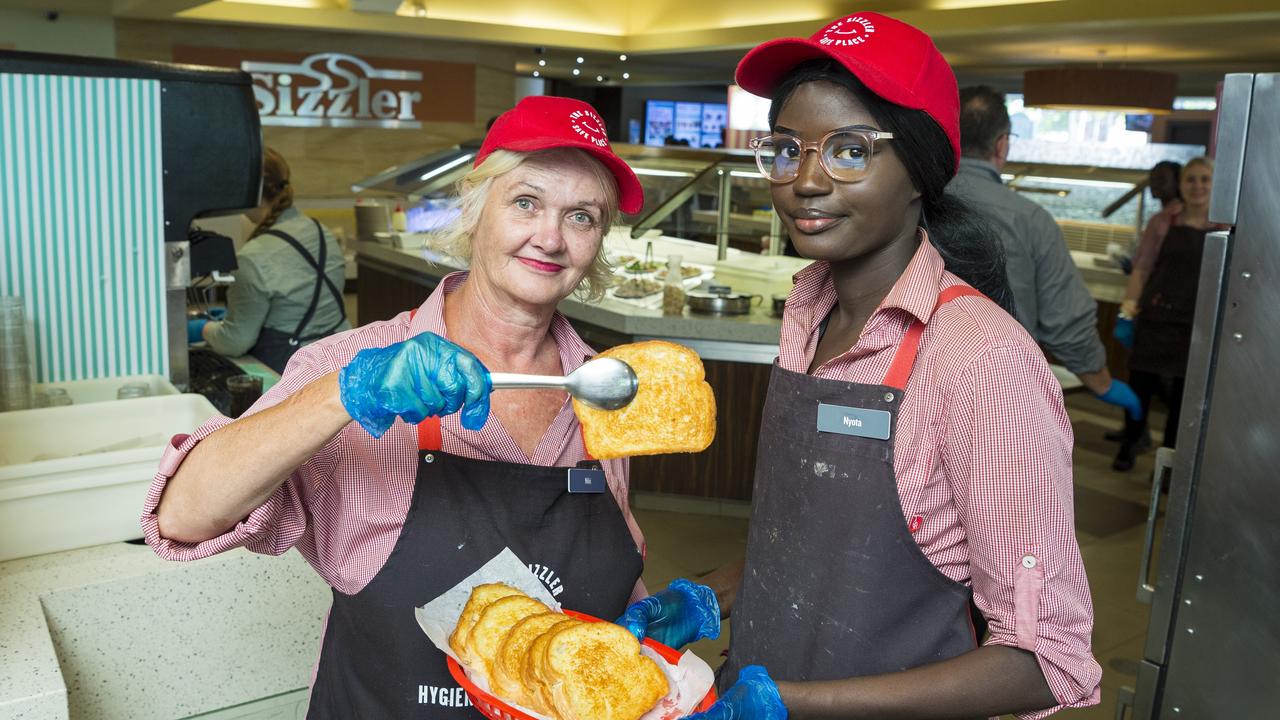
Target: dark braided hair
[[276, 188], [969, 248]]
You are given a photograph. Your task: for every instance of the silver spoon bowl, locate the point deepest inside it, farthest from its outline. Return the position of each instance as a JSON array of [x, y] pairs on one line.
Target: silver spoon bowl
[[603, 383]]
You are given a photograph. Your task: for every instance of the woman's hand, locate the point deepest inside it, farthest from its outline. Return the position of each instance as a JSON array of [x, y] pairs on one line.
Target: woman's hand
[[752, 697], [421, 377], [675, 617]]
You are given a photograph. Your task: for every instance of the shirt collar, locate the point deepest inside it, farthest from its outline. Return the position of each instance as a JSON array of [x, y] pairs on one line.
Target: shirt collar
[[981, 168], [289, 213]]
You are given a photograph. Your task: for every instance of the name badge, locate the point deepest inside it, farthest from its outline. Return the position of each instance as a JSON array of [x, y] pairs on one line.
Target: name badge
[[586, 480], [859, 422]]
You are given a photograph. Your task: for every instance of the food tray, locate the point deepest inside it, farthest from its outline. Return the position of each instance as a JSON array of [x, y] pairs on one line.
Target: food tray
[[495, 709]]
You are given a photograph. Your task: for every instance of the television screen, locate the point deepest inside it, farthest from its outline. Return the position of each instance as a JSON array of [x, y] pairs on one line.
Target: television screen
[[1138, 123], [696, 124]]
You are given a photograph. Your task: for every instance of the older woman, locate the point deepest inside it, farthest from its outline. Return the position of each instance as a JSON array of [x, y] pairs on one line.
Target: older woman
[[410, 499]]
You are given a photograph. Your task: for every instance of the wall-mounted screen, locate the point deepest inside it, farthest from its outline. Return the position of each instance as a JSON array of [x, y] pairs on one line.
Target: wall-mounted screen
[[694, 124]]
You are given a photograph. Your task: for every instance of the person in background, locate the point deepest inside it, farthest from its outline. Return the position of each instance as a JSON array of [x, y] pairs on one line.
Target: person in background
[[1162, 180], [288, 287], [383, 457], [915, 454], [1050, 298], [1161, 302]]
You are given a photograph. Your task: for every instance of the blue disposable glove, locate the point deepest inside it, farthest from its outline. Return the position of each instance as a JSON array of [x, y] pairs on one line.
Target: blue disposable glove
[[421, 377], [753, 697], [1123, 332], [195, 330], [1119, 393], [218, 313], [675, 617]]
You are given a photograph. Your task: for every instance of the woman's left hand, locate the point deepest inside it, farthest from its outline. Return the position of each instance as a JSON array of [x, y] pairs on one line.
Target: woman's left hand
[[753, 697]]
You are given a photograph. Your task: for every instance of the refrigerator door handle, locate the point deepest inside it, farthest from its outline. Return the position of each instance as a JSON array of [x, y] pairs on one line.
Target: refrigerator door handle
[[1164, 467]]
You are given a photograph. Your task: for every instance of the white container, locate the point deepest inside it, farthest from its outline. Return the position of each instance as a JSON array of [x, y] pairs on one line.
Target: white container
[[104, 389], [76, 476]]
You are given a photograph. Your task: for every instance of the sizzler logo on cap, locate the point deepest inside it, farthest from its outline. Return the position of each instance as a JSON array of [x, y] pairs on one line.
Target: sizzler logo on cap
[[589, 126], [847, 32]]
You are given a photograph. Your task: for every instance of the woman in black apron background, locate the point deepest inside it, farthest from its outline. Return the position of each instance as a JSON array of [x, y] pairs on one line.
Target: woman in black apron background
[[914, 451], [288, 288], [1165, 309], [427, 484]]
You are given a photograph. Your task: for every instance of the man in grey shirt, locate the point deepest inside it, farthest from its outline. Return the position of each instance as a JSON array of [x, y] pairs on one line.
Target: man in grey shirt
[[1052, 301]]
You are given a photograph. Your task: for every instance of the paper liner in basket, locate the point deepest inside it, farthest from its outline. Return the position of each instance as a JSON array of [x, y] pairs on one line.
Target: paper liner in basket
[[689, 680]]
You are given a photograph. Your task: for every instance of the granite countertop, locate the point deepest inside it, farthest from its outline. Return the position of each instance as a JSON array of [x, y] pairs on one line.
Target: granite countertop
[[115, 632]]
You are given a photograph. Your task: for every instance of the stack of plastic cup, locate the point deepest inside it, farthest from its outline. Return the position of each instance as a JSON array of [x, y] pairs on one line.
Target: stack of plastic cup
[[15, 360]]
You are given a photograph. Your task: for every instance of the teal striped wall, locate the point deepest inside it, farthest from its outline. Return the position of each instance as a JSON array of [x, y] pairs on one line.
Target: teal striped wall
[[82, 221]]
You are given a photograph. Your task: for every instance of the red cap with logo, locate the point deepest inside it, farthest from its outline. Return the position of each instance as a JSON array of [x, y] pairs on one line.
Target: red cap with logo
[[542, 122], [893, 59]]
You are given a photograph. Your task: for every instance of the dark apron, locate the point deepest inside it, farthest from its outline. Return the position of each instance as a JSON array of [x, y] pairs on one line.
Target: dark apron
[[835, 585], [376, 662], [1162, 332], [274, 347]]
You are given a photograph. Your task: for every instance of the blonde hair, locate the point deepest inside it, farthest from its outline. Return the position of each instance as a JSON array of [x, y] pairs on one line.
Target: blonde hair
[[276, 188], [473, 195], [1201, 160]]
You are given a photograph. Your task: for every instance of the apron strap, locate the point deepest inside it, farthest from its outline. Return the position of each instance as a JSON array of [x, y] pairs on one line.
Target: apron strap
[[905, 359], [429, 429]]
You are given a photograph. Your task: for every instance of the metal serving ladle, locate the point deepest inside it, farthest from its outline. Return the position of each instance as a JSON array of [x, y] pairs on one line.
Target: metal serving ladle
[[603, 383]]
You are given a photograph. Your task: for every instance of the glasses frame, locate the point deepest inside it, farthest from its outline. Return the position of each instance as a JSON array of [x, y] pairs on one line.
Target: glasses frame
[[871, 136]]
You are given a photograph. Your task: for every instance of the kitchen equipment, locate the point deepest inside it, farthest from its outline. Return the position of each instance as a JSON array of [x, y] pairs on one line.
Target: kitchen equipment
[[720, 300], [603, 383], [15, 360], [245, 391], [1210, 649], [77, 475], [779, 302]]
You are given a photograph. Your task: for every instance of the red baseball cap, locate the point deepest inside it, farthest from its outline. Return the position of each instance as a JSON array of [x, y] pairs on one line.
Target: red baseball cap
[[542, 122], [893, 59]]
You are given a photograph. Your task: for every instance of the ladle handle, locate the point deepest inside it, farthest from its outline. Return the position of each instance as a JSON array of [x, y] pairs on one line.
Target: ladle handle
[[516, 381]]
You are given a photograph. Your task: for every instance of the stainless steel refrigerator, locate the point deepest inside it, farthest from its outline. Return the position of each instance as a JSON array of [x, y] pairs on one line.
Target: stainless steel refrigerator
[[1213, 643]]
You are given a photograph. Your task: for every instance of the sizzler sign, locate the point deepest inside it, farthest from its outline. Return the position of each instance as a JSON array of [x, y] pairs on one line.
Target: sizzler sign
[[335, 90], [331, 89]]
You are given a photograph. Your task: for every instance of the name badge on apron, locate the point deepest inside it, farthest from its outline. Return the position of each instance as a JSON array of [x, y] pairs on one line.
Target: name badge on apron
[[859, 422], [586, 480]]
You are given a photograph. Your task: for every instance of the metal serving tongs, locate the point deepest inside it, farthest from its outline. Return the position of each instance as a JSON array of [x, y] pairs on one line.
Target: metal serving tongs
[[603, 383]]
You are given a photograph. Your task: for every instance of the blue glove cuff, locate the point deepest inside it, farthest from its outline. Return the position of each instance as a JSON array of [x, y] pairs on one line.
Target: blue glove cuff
[[350, 379], [758, 678], [705, 599], [195, 330]]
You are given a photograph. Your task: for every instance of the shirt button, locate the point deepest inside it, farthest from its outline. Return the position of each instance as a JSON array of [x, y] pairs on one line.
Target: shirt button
[[1029, 561], [428, 458]]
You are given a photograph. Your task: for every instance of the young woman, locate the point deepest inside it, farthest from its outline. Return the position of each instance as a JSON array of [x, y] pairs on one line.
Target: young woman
[[1164, 283], [288, 288], [915, 455]]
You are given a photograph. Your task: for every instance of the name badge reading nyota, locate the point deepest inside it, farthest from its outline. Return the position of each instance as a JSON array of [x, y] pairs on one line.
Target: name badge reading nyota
[[859, 422]]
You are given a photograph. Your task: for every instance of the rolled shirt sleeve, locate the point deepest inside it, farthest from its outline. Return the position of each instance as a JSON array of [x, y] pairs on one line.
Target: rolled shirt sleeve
[[280, 522], [1068, 319], [1008, 459]]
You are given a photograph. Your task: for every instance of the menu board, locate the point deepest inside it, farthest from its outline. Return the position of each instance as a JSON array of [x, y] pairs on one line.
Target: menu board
[[696, 124]]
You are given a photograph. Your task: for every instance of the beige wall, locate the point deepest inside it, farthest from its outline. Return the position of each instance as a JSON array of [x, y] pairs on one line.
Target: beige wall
[[70, 34], [326, 161]]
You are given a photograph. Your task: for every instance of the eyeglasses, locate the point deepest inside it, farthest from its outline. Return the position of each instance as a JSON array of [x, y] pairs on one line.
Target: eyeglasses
[[845, 155]]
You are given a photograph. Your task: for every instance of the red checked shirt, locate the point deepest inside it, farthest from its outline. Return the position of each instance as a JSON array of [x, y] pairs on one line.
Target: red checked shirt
[[344, 508], [982, 457]]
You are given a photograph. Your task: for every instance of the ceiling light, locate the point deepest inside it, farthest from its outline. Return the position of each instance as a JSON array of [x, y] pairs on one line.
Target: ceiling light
[[626, 76], [1112, 89], [579, 59], [599, 78], [576, 71], [537, 74], [542, 63], [623, 57]]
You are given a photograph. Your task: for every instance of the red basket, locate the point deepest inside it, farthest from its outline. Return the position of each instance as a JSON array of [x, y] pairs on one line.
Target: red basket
[[495, 709]]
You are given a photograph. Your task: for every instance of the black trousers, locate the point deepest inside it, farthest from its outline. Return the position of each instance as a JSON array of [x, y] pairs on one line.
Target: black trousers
[[1146, 386]]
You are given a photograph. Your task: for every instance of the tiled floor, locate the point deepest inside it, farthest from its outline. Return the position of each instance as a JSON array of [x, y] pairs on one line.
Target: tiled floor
[[1111, 511]]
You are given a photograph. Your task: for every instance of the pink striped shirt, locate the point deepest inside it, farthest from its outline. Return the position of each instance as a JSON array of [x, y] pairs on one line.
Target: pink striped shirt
[[356, 490], [982, 457]]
